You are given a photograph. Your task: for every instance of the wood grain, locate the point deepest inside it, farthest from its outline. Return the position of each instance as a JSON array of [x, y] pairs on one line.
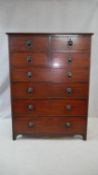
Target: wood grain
[[50, 90], [50, 75], [19, 43], [50, 125], [50, 107], [23, 59], [78, 42]]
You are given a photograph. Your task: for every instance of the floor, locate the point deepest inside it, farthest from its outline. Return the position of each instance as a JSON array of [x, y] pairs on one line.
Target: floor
[[69, 156]]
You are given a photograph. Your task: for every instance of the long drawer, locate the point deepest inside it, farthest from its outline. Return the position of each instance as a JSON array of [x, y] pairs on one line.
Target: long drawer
[[50, 107], [49, 90], [50, 125], [57, 60], [50, 75]]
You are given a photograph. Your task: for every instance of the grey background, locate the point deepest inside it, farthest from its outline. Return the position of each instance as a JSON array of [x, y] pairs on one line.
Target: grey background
[[47, 16]]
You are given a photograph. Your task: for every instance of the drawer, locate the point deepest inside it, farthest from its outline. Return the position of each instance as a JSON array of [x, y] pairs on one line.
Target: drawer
[[50, 107], [70, 59], [57, 59], [49, 90], [69, 42], [50, 75], [50, 125], [28, 42], [29, 59]]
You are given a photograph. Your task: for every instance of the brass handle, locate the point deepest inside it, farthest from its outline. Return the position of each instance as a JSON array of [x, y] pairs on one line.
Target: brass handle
[[70, 42], [67, 125], [31, 124], [29, 43], [69, 74], [30, 107], [68, 107], [29, 59], [69, 60], [69, 91], [29, 74], [30, 90]]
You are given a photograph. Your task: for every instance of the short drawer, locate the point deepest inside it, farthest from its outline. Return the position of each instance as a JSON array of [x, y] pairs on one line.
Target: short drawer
[[70, 42], [50, 75], [50, 107], [29, 59], [70, 59], [50, 125], [49, 90], [28, 42]]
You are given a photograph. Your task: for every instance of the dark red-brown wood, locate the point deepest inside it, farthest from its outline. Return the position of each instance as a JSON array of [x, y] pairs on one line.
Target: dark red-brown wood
[[49, 75], [50, 90], [60, 42], [29, 59], [50, 107], [70, 59], [50, 126], [20, 43], [57, 60]]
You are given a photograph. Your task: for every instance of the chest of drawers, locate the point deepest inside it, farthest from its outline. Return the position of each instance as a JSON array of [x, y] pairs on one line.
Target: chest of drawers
[[49, 75]]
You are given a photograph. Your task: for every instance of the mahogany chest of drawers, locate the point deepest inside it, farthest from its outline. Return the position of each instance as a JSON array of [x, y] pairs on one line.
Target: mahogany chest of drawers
[[49, 75]]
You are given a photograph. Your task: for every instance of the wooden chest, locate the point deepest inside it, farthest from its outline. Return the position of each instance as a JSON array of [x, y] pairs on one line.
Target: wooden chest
[[49, 75]]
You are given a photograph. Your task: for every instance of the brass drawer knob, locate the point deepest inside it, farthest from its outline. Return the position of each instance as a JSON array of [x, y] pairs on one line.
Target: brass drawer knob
[[69, 60], [70, 42], [30, 90], [68, 91], [69, 74], [67, 125], [29, 59], [68, 107], [30, 107], [31, 125], [29, 74], [29, 43]]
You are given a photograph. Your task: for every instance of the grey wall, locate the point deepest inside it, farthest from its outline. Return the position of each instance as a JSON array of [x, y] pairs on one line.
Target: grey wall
[[47, 16]]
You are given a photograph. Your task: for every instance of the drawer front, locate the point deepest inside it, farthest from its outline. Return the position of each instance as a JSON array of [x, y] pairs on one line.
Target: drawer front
[[50, 75], [50, 107], [57, 59], [70, 59], [49, 90], [50, 125], [28, 42], [29, 59], [69, 42]]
